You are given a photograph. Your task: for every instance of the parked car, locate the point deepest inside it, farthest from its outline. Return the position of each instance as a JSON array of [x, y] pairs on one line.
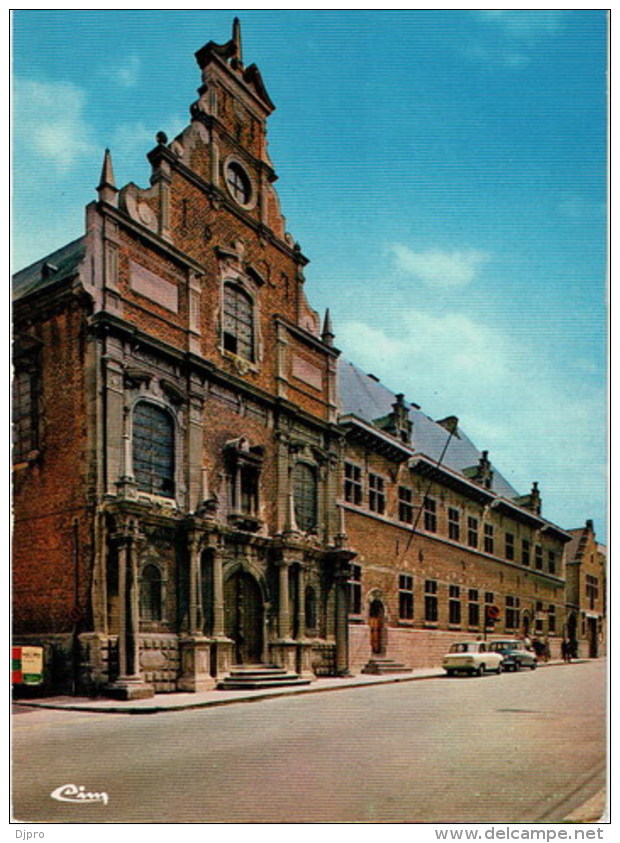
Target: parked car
[[514, 653], [471, 657]]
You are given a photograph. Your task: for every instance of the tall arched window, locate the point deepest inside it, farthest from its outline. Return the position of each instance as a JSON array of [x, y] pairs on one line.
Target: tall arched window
[[310, 608], [153, 449], [305, 496], [151, 593], [238, 323]]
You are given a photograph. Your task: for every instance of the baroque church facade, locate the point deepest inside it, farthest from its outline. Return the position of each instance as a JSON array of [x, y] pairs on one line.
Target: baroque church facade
[[204, 491]]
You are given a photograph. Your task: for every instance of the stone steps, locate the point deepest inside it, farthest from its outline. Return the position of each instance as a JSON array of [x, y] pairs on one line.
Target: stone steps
[[254, 677], [381, 667]]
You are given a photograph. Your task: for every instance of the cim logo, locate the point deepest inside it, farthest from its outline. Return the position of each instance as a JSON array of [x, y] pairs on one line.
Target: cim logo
[[78, 795]]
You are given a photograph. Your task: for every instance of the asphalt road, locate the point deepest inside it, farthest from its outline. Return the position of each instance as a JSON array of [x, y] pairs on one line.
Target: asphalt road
[[525, 747]]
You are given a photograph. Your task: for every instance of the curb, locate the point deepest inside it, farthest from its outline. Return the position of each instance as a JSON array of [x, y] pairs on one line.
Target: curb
[[256, 697]]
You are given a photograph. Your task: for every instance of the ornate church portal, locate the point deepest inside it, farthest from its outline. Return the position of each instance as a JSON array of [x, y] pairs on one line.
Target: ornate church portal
[[243, 615]]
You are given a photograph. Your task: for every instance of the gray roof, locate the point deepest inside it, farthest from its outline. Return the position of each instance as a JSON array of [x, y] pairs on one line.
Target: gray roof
[[62, 264], [363, 396]]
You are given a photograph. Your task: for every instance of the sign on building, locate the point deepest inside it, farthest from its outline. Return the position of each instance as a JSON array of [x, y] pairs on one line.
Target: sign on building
[[27, 665]]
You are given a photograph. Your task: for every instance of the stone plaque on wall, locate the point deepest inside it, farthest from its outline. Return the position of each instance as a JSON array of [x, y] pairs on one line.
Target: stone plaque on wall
[[153, 287], [307, 372]]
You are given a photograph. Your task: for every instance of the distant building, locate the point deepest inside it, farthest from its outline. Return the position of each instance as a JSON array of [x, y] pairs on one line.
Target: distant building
[[586, 592], [202, 489]]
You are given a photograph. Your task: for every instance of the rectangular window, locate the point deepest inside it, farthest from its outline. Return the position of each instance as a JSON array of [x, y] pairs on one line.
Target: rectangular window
[[525, 552], [376, 493], [510, 546], [352, 483], [430, 515], [539, 617], [24, 413], [472, 531], [538, 557], [430, 601], [512, 612], [405, 597], [405, 505], [551, 561], [489, 542], [454, 605], [551, 618], [355, 590], [473, 607], [591, 591], [454, 524]]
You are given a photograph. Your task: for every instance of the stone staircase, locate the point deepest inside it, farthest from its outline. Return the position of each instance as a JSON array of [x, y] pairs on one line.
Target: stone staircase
[[253, 677], [382, 667]]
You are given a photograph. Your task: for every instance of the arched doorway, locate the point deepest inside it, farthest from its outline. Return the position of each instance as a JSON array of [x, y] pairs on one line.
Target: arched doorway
[[243, 617], [376, 621]]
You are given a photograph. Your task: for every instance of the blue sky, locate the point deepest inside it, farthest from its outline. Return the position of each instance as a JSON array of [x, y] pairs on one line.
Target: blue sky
[[444, 171]]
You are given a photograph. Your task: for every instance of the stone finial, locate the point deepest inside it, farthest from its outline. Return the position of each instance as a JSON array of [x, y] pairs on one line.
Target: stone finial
[[236, 37], [328, 333], [107, 188]]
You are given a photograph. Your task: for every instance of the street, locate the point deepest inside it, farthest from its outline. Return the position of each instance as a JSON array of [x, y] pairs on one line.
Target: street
[[523, 747]]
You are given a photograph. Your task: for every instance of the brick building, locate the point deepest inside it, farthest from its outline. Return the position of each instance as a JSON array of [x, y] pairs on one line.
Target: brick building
[[586, 591], [200, 482]]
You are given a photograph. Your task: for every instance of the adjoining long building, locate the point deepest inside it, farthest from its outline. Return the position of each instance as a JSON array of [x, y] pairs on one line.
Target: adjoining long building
[[203, 490]]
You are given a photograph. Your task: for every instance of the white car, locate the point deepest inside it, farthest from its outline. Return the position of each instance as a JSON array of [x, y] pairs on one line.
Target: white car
[[471, 657]]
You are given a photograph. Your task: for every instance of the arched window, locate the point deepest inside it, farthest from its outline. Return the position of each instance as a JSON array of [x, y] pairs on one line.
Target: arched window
[[238, 323], [153, 449], [305, 496], [239, 183], [310, 608], [151, 593]]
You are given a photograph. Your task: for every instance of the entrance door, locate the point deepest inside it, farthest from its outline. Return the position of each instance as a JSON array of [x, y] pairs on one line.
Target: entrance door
[[243, 612], [592, 638], [376, 621]]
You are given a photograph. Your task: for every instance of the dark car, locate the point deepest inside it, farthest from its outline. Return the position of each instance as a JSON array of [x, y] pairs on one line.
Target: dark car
[[514, 653]]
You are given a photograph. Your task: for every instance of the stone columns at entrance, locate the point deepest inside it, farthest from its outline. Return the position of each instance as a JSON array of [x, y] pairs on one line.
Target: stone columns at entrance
[[222, 645], [129, 685], [283, 650], [342, 618], [195, 647], [304, 647]]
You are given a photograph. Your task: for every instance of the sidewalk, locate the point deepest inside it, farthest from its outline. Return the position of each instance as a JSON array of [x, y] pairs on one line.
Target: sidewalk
[[207, 699]]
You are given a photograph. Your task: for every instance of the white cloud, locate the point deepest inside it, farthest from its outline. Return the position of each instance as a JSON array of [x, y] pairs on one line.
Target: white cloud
[[49, 123], [437, 268], [524, 24], [126, 74], [536, 421]]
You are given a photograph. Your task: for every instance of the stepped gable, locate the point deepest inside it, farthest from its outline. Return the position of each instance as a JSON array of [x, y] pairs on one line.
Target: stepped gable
[[368, 399]]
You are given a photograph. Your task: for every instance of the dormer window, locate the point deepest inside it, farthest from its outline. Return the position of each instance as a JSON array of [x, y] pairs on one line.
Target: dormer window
[[238, 322]]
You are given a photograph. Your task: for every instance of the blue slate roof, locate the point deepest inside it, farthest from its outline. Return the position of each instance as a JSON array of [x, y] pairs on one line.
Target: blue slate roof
[[63, 263], [363, 396]]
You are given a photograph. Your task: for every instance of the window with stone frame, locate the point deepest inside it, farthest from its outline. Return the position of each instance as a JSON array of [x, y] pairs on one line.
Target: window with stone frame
[[591, 591], [472, 531], [376, 493], [473, 607], [551, 561], [430, 515], [513, 613], [305, 496], [454, 524], [355, 590], [405, 597], [431, 609], [551, 618], [525, 552], [489, 538], [454, 605], [238, 322], [151, 593], [538, 621], [310, 608], [405, 505], [25, 415], [238, 183], [509, 547], [153, 449], [244, 463], [538, 557], [353, 492]]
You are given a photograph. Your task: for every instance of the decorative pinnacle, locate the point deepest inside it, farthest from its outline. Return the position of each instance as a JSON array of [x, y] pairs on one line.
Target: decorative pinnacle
[[236, 37], [328, 333], [107, 188]]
